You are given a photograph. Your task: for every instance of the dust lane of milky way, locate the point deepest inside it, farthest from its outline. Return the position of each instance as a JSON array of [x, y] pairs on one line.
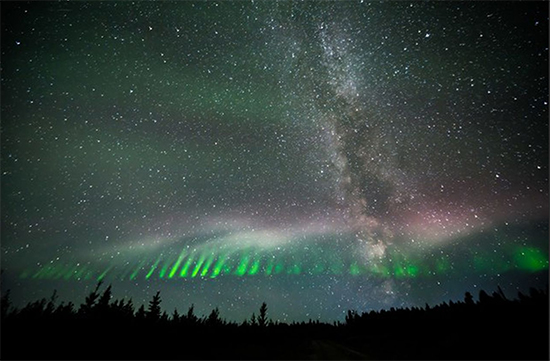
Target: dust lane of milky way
[[321, 156]]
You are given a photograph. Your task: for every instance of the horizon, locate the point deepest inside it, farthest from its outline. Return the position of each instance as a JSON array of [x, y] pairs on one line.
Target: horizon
[[101, 287]]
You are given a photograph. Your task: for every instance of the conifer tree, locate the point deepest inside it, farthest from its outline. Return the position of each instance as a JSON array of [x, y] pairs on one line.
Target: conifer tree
[[50, 307], [468, 299], [214, 318], [262, 318], [128, 309], [90, 301], [6, 303], [103, 301], [176, 316], [141, 314], [191, 318], [153, 311]]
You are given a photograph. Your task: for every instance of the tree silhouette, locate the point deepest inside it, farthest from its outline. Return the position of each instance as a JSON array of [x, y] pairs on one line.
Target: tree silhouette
[[128, 308], [501, 293], [6, 303], [164, 317], [190, 317], [262, 318], [102, 306], [176, 316], [214, 318], [50, 307], [141, 314], [64, 311], [153, 311], [484, 298], [90, 300], [351, 317], [508, 323], [468, 299]]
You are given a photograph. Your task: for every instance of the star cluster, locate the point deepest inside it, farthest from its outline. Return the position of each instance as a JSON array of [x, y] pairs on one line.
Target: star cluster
[[320, 156]]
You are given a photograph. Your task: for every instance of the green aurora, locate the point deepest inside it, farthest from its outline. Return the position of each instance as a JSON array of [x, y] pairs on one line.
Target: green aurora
[[250, 262]]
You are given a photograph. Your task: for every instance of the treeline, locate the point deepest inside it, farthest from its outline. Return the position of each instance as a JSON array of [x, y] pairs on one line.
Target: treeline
[[493, 327], [99, 306]]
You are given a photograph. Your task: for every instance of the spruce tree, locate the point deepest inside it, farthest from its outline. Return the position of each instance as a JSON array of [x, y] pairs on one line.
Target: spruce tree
[[90, 301], [153, 311], [191, 318], [176, 316], [262, 318], [141, 314], [102, 306]]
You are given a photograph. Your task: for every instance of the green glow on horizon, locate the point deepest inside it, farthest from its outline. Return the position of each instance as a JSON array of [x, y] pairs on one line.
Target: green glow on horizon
[[198, 266], [207, 265], [278, 268], [480, 264], [104, 273], [227, 269], [254, 268], [81, 270], [269, 268], [380, 270], [218, 267], [58, 273], [41, 271], [252, 262], [177, 264], [337, 268], [70, 272], [294, 269], [186, 266], [89, 275], [354, 269], [412, 270], [318, 268], [124, 273], [164, 268], [442, 265], [241, 268], [54, 272], [136, 271], [51, 272], [153, 268], [530, 259], [399, 271]]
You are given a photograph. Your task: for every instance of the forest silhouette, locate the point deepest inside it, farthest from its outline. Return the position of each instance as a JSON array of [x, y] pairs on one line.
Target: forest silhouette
[[493, 327]]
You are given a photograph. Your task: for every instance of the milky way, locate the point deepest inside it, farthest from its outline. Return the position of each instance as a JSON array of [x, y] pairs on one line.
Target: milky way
[[320, 156]]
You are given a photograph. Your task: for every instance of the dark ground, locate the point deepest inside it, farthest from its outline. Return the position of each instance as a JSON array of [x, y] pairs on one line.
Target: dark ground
[[495, 328]]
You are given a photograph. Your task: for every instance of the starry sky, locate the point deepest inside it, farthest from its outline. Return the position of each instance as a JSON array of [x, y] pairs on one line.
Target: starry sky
[[319, 156]]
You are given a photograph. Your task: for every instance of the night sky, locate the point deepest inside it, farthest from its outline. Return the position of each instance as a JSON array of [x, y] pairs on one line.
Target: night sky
[[319, 156]]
